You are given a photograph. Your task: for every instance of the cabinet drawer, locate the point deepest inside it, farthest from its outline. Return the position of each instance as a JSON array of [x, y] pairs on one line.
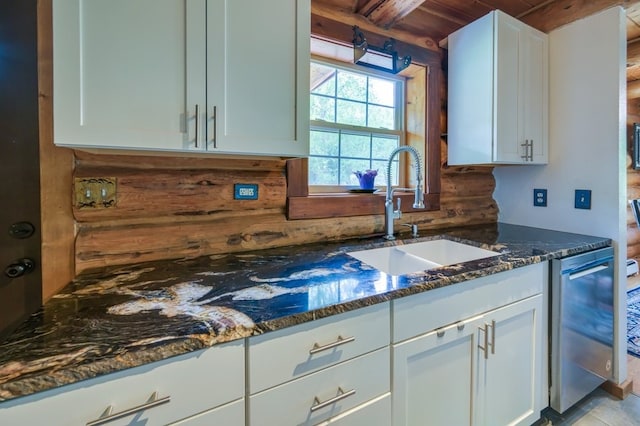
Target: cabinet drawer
[[290, 353], [231, 414], [420, 313], [194, 382], [307, 401], [376, 412]]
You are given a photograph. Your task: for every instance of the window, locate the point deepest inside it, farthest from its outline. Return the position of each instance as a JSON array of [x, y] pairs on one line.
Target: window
[[356, 122]]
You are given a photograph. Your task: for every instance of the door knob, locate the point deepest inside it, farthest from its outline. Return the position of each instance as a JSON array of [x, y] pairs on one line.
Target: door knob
[[19, 267]]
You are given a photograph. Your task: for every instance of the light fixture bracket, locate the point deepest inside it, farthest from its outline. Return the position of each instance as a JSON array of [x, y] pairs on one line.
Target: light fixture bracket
[[383, 58]]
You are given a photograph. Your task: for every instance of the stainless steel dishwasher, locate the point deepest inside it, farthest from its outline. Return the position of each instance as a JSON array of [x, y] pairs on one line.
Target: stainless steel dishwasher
[[581, 326]]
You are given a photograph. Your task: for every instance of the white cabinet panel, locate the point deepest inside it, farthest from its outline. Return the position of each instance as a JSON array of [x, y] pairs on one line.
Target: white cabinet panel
[[307, 400], [509, 377], [178, 75], [231, 414], [119, 73], [433, 377], [296, 351], [498, 93], [258, 80], [191, 381]]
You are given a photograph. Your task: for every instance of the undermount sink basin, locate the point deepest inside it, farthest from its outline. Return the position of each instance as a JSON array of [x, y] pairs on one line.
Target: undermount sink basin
[[409, 258]]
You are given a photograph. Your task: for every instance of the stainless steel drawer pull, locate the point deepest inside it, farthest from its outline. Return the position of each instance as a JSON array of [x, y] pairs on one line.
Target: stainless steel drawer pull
[[440, 333], [493, 336], [485, 348], [215, 126], [460, 326], [317, 405], [339, 341], [197, 113], [108, 415]]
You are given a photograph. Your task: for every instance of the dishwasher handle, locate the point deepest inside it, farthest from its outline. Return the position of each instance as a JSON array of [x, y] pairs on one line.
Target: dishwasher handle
[[588, 268]]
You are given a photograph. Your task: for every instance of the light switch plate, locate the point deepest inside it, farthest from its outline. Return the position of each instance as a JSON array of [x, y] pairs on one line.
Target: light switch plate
[[95, 192], [583, 199]]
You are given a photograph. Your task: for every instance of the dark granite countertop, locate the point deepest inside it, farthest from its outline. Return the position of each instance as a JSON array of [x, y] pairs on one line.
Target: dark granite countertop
[[123, 317]]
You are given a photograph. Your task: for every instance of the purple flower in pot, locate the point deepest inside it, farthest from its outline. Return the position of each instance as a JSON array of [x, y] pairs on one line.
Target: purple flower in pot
[[366, 178]]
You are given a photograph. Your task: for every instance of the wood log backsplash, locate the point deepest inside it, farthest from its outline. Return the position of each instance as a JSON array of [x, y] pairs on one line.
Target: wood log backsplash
[[183, 207], [633, 182]]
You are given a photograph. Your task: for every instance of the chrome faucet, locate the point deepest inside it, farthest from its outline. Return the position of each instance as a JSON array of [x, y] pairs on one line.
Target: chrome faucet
[[389, 213]]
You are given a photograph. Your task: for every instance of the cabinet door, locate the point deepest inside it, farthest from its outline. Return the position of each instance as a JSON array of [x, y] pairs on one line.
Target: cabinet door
[[509, 370], [535, 93], [120, 75], [508, 106], [433, 377], [258, 76]]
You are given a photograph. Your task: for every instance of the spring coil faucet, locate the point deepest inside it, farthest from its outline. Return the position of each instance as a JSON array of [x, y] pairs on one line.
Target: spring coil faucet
[[389, 213]]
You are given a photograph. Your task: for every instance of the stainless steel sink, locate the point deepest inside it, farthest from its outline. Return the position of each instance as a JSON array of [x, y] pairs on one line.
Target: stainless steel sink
[[409, 258]]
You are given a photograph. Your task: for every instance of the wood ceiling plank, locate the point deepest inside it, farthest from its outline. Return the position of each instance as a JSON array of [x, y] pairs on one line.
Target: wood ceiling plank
[[561, 12], [392, 11], [344, 16], [633, 53]]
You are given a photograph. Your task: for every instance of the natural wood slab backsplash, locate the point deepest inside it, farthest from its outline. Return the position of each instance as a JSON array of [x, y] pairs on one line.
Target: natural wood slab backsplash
[[183, 207]]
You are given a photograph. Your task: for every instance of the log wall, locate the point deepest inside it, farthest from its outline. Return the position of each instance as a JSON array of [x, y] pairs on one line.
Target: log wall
[[171, 208]]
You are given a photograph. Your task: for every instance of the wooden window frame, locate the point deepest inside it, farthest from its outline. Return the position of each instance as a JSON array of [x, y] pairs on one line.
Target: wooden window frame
[[302, 205]]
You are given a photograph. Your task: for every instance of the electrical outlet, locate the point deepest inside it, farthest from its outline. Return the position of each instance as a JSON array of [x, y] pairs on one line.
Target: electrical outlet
[[245, 191], [540, 197], [95, 192], [583, 199]]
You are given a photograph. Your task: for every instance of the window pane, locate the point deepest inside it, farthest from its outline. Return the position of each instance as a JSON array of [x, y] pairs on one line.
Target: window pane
[[352, 86], [381, 117], [355, 146], [382, 147], [381, 166], [381, 92], [323, 171], [354, 113], [324, 143], [322, 108], [348, 166], [323, 79]]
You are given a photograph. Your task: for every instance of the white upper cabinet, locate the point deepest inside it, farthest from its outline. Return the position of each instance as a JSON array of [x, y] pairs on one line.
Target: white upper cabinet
[[223, 76], [497, 93]]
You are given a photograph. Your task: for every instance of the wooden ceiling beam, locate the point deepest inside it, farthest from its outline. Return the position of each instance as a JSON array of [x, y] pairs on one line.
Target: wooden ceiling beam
[[391, 11], [633, 53], [346, 17]]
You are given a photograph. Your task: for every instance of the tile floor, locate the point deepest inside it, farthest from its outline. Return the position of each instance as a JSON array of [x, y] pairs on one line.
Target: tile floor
[[597, 409]]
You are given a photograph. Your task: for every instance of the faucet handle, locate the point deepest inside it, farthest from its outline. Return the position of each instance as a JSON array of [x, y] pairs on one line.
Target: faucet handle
[[398, 213]]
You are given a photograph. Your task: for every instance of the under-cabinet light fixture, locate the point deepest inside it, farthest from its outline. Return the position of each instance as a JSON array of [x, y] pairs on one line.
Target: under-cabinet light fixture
[[380, 58]]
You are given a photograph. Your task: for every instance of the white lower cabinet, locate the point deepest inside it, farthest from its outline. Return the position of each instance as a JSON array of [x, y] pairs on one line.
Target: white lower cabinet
[[325, 394], [231, 414], [482, 370], [185, 386]]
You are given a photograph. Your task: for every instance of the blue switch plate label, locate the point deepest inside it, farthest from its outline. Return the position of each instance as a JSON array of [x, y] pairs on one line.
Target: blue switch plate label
[[245, 191], [583, 199]]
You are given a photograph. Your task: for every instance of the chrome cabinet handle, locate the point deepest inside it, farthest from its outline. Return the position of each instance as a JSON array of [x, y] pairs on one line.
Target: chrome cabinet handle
[[215, 126], [485, 348], [493, 333], [317, 405], [197, 113], [531, 152], [108, 415], [339, 341], [440, 333], [460, 326], [525, 157]]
